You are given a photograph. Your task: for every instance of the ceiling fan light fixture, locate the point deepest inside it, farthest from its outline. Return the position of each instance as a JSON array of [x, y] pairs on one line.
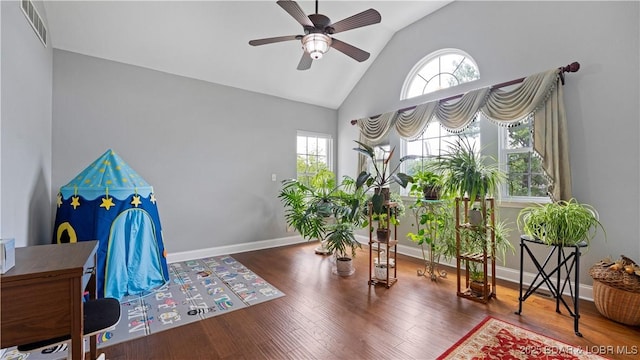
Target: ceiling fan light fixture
[[316, 44]]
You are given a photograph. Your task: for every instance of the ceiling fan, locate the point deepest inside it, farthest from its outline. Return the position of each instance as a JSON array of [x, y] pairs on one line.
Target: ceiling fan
[[317, 28]]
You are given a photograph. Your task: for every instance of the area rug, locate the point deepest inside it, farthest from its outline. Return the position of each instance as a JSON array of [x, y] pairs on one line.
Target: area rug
[[496, 339], [197, 290]]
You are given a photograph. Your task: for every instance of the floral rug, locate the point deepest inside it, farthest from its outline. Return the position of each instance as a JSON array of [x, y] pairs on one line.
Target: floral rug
[[197, 289], [496, 339]]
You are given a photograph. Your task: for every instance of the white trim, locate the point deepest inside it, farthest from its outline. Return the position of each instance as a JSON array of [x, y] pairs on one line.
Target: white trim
[[313, 134]]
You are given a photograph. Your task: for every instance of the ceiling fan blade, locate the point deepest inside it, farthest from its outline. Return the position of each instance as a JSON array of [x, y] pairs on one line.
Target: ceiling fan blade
[[294, 10], [349, 50], [367, 17], [272, 40], [305, 61]]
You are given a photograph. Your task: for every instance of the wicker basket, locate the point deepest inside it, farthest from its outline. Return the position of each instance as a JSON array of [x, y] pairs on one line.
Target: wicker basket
[[616, 304], [616, 279]]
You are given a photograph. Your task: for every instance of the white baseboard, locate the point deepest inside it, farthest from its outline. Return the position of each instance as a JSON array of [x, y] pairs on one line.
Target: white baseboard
[[233, 249], [504, 273]]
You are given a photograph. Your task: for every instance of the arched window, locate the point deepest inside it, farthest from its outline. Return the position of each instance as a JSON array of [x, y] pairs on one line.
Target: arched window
[[439, 70]]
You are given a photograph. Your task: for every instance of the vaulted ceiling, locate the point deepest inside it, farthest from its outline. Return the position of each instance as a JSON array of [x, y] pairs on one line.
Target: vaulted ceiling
[[208, 40]]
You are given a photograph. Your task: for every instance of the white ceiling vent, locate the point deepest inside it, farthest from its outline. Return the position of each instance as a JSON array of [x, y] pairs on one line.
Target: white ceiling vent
[[35, 20]]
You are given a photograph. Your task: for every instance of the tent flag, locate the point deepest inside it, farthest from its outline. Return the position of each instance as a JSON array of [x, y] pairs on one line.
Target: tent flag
[[109, 202]]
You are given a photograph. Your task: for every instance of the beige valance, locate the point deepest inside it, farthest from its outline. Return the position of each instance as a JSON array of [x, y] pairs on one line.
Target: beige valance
[[539, 97]]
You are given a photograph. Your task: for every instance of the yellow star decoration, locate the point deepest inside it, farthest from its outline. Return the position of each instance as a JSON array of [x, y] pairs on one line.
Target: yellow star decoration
[[153, 198], [136, 200], [59, 200], [75, 201], [107, 203]]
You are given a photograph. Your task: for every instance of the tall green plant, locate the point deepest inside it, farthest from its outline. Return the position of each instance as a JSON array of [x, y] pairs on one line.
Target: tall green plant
[[307, 209], [466, 172]]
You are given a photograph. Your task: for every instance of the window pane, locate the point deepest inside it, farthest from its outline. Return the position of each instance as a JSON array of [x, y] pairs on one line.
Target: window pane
[[449, 63], [432, 85], [302, 145], [432, 147], [539, 185], [416, 88], [518, 162], [312, 145], [519, 136], [322, 147], [518, 184], [466, 72], [429, 70]]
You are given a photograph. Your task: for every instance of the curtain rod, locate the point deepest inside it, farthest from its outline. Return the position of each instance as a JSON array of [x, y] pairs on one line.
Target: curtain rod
[[573, 67]]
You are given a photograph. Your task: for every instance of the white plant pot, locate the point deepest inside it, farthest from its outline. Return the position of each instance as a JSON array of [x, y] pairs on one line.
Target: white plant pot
[[344, 266], [381, 272], [475, 217]]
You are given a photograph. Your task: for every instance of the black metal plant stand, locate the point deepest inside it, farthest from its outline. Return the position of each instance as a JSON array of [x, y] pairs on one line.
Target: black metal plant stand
[[567, 260]]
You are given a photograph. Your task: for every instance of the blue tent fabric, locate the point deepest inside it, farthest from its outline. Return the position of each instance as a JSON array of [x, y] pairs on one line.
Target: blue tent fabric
[[111, 203]]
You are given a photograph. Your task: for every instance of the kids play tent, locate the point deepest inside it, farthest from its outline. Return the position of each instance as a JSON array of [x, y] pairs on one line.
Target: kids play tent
[[111, 203]]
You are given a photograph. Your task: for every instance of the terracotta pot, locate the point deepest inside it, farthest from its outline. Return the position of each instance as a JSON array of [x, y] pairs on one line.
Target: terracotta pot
[[478, 287], [386, 194], [382, 235]]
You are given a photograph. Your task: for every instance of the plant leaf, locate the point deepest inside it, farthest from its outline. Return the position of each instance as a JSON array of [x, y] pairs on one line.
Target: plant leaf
[[378, 203], [366, 149], [362, 178]]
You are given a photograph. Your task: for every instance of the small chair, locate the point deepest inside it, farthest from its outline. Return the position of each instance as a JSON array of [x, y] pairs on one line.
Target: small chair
[[99, 315]]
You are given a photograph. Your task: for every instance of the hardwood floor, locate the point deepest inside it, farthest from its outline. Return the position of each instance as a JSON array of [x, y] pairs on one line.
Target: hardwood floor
[[324, 316]]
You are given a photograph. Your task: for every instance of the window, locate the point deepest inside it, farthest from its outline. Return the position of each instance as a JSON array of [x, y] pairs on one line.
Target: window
[[439, 70], [435, 141], [314, 153], [525, 177]]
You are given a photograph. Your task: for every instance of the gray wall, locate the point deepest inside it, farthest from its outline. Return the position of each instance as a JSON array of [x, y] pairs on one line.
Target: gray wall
[[25, 130], [208, 150], [509, 40]]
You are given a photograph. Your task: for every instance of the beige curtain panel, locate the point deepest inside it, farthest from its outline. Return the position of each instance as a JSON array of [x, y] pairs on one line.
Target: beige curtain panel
[[538, 97]]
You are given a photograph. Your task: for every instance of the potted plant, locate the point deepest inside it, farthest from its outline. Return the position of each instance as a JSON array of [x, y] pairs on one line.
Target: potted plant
[[341, 241], [468, 173], [478, 242], [426, 184], [348, 216], [476, 281], [435, 230], [308, 208], [564, 223], [383, 220], [382, 177]]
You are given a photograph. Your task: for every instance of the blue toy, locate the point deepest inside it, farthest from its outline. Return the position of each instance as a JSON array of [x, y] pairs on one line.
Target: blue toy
[[111, 203]]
